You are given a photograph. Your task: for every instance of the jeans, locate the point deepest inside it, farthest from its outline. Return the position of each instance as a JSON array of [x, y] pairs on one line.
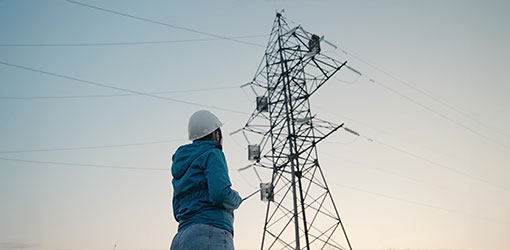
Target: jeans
[[202, 237]]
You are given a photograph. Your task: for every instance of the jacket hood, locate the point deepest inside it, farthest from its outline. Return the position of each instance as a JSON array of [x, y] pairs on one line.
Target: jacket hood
[[186, 154]]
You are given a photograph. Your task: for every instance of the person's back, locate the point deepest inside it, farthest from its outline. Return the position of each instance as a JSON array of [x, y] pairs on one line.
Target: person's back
[[203, 201]]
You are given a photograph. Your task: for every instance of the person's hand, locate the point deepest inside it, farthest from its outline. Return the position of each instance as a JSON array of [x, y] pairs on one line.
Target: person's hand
[[235, 192], [238, 195]]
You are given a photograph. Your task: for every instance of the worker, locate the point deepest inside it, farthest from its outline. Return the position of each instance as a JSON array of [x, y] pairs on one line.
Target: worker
[[203, 200]]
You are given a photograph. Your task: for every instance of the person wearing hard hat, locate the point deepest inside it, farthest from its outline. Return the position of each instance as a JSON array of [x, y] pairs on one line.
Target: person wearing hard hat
[[203, 200]]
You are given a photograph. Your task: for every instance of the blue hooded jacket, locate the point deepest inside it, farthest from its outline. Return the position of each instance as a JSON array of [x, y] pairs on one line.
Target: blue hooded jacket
[[202, 193]]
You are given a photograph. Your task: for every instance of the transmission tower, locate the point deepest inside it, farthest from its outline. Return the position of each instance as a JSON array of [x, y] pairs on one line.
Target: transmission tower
[[282, 134]]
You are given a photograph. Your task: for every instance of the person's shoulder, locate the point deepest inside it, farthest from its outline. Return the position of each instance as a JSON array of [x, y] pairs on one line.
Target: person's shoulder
[[183, 147], [207, 149], [215, 151], [208, 145]]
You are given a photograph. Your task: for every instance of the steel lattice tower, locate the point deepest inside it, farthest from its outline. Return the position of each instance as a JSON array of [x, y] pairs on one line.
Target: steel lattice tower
[[301, 212]]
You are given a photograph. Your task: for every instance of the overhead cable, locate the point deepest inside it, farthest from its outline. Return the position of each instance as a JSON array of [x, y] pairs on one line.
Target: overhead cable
[[120, 89], [495, 220], [111, 95], [383, 170], [421, 104], [441, 115], [82, 164], [440, 188], [451, 106], [440, 165], [121, 43], [88, 147], [416, 156], [162, 23], [379, 130]]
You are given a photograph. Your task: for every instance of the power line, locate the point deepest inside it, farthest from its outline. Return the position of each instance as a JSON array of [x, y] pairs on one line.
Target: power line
[[82, 164], [423, 92], [383, 170], [439, 164], [423, 105], [111, 95], [121, 89], [89, 147], [496, 220], [389, 172], [422, 158], [440, 114], [163, 24], [121, 43]]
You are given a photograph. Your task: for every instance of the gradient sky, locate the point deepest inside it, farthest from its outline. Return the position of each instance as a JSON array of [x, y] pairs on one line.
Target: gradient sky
[[435, 173]]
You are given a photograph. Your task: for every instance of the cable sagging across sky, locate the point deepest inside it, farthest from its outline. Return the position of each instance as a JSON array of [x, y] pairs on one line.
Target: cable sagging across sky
[[427, 107], [119, 88], [90, 165], [110, 95], [88, 147], [164, 24], [122, 43]]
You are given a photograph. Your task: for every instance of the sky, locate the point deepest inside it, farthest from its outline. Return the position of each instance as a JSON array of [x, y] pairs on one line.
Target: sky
[[83, 166]]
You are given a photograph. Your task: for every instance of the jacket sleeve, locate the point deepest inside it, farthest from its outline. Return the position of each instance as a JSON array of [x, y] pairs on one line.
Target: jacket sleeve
[[218, 182]]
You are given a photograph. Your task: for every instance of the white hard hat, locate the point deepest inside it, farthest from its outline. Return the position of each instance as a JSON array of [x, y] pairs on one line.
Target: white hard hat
[[202, 123]]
